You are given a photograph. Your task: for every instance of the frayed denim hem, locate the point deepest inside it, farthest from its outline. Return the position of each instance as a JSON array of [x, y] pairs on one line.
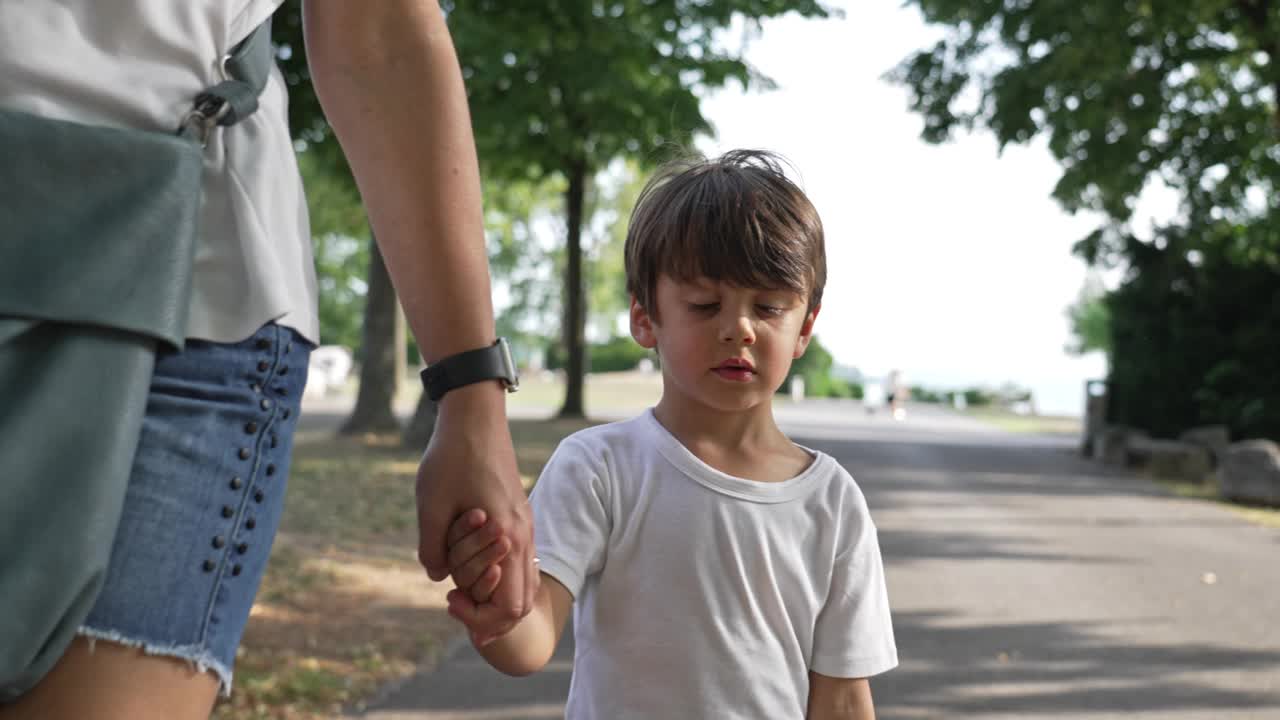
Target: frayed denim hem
[[197, 657]]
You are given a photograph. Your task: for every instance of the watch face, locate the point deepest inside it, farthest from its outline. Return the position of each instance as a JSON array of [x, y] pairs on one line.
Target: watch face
[[513, 378]]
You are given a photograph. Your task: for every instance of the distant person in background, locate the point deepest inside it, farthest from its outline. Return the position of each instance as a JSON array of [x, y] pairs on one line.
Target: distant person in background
[[896, 394]]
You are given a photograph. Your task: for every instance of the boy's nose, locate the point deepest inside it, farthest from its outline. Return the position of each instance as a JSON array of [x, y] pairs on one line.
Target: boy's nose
[[738, 329]]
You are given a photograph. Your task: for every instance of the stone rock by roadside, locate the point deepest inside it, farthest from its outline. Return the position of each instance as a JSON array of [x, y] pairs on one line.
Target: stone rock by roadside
[[1214, 438], [1171, 460], [1178, 460], [1111, 444], [1251, 473]]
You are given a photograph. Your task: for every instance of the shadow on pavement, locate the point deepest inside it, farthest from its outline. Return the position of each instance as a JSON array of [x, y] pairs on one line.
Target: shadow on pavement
[[1053, 668], [465, 687]]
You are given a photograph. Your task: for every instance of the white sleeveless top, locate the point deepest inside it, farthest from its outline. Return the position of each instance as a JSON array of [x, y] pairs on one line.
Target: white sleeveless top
[[139, 64]]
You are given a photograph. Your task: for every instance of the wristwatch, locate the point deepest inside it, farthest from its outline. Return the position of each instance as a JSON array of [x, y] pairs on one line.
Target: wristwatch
[[473, 366]]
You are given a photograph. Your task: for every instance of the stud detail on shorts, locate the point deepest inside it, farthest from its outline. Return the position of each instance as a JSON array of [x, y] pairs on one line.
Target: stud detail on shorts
[[244, 453], [250, 524], [209, 565], [255, 387], [258, 496], [228, 511], [235, 569], [271, 470], [275, 440], [263, 365], [265, 404], [284, 370], [263, 343], [236, 483], [288, 347], [285, 414], [250, 428], [219, 542], [242, 548]]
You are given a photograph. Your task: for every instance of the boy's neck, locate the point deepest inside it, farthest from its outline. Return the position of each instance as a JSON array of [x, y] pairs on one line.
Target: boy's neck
[[746, 444]]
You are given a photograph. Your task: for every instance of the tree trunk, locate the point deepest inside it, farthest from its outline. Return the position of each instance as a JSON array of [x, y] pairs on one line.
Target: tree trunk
[[575, 311], [373, 411], [418, 432]]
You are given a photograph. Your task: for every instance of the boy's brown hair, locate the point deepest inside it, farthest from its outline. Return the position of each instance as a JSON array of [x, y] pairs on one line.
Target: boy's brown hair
[[736, 219]]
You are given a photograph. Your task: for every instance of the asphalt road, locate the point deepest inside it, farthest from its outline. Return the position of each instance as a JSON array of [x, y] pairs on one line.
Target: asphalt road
[[1025, 583]]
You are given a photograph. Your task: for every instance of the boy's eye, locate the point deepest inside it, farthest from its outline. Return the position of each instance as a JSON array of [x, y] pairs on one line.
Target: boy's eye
[[769, 309], [704, 307]]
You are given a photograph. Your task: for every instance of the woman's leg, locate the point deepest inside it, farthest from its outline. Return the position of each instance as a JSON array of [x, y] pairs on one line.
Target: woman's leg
[[113, 682], [204, 499]]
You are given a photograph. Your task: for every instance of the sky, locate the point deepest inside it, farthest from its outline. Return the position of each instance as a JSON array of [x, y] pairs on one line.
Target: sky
[[951, 263]]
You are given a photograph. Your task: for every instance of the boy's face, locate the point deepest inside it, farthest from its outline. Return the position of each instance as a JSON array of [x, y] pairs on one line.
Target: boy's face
[[722, 346]]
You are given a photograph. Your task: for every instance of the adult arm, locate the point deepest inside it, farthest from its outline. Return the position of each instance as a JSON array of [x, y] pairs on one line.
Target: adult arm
[[388, 79], [833, 698]]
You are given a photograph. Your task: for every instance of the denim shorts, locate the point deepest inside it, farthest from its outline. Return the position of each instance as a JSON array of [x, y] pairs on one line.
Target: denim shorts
[[204, 499]]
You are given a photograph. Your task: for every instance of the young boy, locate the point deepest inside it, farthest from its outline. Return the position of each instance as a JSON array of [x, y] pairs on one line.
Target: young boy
[[715, 569]]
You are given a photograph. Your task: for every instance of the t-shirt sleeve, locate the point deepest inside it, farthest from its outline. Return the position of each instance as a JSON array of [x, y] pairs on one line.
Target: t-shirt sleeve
[[571, 519], [854, 633]]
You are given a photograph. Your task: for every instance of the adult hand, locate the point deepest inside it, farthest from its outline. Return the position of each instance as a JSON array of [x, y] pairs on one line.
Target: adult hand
[[470, 463]]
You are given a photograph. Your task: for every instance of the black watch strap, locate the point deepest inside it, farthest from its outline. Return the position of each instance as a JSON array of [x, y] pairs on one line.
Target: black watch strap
[[488, 363]]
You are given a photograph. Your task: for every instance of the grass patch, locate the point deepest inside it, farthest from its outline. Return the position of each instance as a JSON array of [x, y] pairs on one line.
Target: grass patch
[[344, 606], [1208, 491], [1030, 424], [614, 393]]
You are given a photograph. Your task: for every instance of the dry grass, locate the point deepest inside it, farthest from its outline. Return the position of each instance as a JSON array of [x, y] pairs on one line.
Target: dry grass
[[344, 607]]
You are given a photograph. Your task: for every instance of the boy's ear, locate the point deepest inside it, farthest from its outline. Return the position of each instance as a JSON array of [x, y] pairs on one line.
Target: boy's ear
[[642, 326], [806, 333]]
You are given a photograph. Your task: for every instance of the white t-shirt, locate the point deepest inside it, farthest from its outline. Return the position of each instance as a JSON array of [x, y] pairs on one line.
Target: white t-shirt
[[702, 595], [139, 64]]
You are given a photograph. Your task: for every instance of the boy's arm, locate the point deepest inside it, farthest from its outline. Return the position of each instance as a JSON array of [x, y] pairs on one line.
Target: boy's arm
[[529, 645], [833, 698]]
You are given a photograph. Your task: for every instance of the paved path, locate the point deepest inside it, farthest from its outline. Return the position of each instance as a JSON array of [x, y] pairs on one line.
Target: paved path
[[1025, 583]]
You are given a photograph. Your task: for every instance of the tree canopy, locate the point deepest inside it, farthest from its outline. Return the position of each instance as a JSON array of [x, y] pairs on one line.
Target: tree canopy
[[566, 87], [1127, 92], [1131, 93]]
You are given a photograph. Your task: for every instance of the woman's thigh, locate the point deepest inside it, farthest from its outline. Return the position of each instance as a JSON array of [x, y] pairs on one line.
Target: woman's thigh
[[203, 504], [106, 681]]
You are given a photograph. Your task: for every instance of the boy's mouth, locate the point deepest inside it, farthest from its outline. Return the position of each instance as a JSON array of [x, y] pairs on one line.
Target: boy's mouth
[[738, 369]]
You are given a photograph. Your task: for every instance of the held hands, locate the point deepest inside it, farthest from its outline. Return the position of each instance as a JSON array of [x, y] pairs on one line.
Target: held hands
[[476, 548], [470, 463]]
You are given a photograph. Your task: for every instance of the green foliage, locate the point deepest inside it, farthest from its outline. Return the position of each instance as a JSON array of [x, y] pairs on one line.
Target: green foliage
[[978, 397], [569, 83], [520, 259], [556, 90], [1127, 92], [1211, 318], [606, 273], [311, 132], [567, 87], [340, 242], [618, 354], [838, 388], [1180, 92], [919, 393], [815, 367], [1090, 319], [339, 226]]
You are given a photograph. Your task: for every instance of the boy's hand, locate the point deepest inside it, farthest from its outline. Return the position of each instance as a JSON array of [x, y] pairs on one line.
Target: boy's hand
[[476, 546]]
